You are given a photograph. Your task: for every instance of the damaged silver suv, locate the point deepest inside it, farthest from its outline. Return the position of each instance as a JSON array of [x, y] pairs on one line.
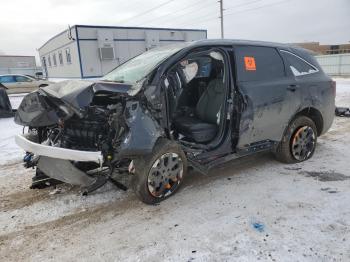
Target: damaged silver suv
[[195, 105]]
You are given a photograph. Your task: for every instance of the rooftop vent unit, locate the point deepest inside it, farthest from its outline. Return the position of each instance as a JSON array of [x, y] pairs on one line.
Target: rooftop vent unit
[[106, 53], [105, 44]]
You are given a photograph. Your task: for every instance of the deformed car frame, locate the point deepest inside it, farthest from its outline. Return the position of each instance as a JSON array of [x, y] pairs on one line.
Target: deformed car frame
[[198, 104]]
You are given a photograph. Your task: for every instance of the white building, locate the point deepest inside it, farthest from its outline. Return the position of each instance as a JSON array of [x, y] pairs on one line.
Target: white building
[[18, 64], [87, 51]]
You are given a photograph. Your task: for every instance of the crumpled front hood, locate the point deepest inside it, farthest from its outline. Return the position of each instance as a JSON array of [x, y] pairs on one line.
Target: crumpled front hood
[[40, 108], [79, 94]]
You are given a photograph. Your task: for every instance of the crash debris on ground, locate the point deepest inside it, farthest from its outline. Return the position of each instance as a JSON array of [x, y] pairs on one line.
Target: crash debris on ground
[[342, 111]]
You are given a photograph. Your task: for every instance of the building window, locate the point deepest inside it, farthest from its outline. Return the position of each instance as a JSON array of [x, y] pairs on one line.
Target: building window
[[60, 57], [44, 61], [49, 60], [54, 59], [68, 56]]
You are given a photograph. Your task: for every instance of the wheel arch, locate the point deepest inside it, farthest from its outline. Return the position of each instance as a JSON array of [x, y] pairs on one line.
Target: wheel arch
[[315, 115]]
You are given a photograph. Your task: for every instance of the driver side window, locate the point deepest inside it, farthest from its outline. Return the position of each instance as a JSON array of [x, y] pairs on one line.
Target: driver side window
[[22, 79]]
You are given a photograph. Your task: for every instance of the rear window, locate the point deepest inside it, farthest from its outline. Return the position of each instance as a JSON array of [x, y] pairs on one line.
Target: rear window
[[258, 64], [7, 79], [204, 67], [298, 65]]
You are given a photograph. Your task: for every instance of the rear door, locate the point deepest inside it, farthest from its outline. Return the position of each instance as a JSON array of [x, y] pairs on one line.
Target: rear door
[[269, 94]]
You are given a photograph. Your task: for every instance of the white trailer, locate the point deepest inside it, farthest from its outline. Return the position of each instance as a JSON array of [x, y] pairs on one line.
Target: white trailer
[[86, 51]]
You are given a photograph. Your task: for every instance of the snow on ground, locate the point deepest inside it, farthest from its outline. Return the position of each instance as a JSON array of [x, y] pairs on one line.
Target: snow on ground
[[15, 100], [250, 209], [343, 92], [10, 152]]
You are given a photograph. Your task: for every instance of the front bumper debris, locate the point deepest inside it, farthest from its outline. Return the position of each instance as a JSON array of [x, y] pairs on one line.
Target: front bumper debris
[[55, 162], [58, 152], [65, 171]]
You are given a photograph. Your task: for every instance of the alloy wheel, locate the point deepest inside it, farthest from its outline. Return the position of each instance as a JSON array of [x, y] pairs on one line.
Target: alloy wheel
[[303, 143], [165, 175]]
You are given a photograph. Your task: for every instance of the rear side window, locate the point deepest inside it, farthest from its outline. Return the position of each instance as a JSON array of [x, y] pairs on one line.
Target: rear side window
[[258, 64], [298, 65]]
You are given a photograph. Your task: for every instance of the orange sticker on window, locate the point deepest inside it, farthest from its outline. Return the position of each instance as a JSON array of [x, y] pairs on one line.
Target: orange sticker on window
[[249, 63]]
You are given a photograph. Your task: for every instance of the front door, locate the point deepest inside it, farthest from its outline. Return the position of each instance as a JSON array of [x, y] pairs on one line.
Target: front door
[[25, 84]]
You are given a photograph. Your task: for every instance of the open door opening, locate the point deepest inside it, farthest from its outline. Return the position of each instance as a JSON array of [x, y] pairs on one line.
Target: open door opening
[[197, 91]]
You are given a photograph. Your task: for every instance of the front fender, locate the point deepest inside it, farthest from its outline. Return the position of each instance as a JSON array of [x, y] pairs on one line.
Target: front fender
[[144, 131]]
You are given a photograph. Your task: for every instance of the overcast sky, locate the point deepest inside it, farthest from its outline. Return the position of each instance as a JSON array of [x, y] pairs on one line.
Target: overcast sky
[[26, 25]]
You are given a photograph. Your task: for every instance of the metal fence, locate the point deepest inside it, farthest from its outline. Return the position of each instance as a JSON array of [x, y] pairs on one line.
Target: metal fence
[[21, 71], [335, 65]]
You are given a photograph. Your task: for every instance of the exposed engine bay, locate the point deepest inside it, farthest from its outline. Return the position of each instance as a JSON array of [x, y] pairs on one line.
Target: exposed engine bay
[[100, 129]]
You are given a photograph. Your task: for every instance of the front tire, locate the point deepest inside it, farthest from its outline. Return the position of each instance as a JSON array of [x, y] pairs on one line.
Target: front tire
[[299, 141], [159, 174]]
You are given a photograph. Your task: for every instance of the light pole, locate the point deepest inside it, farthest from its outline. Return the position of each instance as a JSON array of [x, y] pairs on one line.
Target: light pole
[[222, 17]]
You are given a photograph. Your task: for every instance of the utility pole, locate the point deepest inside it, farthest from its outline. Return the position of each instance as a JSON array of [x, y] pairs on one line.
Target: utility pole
[[222, 17]]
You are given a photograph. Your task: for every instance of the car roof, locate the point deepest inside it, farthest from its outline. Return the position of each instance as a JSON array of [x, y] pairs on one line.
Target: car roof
[[238, 42], [230, 42], [16, 75]]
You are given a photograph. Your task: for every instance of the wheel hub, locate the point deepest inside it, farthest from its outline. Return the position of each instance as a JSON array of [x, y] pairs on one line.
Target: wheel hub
[[165, 175], [303, 143]]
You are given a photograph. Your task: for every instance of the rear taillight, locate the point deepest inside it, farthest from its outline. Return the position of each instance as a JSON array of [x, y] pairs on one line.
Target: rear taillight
[[334, 87]]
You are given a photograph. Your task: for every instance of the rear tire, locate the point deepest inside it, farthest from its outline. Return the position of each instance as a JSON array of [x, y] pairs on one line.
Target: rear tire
[[159, 174], [298, 142]]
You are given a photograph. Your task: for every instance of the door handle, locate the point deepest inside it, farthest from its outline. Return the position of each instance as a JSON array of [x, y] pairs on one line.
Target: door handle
[[292, 87]]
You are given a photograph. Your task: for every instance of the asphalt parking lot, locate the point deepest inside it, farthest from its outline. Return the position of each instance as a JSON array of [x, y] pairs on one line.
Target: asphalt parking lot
[[251, 209]]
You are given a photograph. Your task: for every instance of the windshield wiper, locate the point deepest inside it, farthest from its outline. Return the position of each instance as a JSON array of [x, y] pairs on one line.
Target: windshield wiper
[[113, 81]]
